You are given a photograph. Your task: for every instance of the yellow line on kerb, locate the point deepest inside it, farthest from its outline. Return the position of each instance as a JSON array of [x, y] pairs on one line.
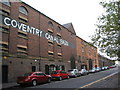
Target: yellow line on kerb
[[97, 80]]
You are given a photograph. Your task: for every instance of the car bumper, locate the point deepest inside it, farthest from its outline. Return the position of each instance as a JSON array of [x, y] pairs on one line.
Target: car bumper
[[55, 78], [23, 82]]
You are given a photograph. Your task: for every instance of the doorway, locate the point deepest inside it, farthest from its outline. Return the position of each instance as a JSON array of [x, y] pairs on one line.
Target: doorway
[[4, 73], [33, 68]]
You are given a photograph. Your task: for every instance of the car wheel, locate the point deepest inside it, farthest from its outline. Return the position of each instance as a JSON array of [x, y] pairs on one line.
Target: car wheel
[[34, 82], [49, 80], [68, 77], [60, 78], [22, 85]]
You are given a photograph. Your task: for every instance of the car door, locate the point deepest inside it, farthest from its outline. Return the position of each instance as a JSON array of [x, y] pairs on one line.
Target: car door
[[85, 72], [62, 74], [75, 72], [66, 75], [42, 77], [45, 78], [39, 77]]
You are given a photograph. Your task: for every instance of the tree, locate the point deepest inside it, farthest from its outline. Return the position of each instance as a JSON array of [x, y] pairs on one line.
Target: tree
[[107, 34]]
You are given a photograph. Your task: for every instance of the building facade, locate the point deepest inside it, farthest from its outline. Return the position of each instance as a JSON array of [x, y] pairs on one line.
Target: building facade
[[87, 56], [31, 41], [103, 61]]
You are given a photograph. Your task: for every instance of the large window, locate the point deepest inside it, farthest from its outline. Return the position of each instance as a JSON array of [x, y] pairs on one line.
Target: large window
[[50, 31], [59, 55], [23, 10], [4, 29], [50, 53], [50, 24], [4, 47], [50, 43], [21, 50], [22, 20], [58, 29], [6, 2], [79, 59], [5, 13], [22, 34], [59, 45], [83, 50]]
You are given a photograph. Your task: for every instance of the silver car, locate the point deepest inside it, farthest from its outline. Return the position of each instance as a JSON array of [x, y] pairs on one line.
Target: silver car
[[93, 70], [83, 72], [73, 72]]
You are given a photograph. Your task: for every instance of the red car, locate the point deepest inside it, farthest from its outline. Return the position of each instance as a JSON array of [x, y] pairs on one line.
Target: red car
[[33, 78], [59, 75]]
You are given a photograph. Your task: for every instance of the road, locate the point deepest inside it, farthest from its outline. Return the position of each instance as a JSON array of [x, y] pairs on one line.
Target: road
[[80, 81], [103, 79]]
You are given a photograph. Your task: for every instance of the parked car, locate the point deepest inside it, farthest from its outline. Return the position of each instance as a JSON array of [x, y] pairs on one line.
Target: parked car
[[83, 72], [59, 75], [73, 73], [97, 69], [93, 70], [113, 66], [33, 78], [103, 68], [106, 67]]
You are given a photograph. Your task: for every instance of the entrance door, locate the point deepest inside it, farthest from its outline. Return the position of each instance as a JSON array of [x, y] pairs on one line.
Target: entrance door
[[46, 69], [90, 64], [33, 68], [4, 74]]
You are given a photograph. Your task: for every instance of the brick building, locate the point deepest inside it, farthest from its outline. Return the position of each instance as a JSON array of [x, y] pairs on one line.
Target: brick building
[[103, 61], [31, 41], [87, 56]]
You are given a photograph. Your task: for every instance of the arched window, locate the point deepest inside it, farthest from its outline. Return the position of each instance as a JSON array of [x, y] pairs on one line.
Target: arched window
[[50, 24], [58, 29], [6, 2], [23, 10]]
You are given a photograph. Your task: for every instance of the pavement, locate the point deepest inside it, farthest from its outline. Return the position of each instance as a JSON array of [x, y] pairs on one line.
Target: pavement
[[8, 85]]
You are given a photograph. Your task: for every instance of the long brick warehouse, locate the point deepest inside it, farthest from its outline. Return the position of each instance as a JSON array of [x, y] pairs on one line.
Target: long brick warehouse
[[32, 41]]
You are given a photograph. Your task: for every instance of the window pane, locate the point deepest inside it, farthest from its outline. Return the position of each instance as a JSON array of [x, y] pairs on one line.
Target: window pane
[[58, 29], [50, 24], [23, 10], [6, 2]]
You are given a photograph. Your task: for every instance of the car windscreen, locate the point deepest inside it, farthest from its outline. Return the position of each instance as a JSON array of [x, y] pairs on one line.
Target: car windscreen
[[54, 72], [27, 74], [70, 70]]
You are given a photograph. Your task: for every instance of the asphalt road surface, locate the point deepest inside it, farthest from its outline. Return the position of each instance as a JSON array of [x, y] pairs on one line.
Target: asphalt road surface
[[103, 79]]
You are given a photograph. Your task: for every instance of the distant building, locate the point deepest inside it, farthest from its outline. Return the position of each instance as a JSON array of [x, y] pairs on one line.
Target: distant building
[[103, 61], [87, 55]]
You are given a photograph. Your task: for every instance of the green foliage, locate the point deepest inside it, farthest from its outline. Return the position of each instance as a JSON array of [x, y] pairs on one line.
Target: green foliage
[[107, 36]]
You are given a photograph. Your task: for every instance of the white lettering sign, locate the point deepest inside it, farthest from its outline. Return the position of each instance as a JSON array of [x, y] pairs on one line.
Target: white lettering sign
[[28, 29]]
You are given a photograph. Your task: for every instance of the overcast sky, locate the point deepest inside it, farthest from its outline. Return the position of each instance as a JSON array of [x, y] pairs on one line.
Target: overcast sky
[[82, 14]]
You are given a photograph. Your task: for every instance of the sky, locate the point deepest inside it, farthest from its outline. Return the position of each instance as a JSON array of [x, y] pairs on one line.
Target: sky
[[82, 14]]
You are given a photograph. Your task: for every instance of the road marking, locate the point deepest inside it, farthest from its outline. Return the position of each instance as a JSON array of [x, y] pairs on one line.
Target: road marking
[[98, 80]]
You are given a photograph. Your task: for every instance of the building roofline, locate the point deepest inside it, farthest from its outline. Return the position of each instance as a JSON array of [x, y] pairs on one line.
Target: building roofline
[[103, 56], [85, 41], [45, 16]]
